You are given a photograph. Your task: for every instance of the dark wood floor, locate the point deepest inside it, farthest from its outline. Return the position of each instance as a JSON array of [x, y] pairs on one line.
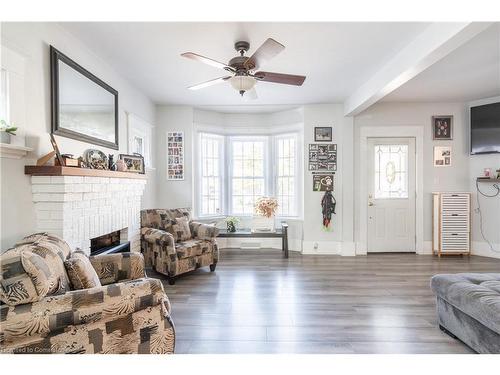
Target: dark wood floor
[[258, 302]]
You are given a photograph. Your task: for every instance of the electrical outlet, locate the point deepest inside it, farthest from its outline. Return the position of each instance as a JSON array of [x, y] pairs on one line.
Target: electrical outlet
[[315, 246]]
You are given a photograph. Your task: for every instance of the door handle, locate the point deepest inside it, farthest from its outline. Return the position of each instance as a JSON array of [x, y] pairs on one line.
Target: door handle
[[370, 204]]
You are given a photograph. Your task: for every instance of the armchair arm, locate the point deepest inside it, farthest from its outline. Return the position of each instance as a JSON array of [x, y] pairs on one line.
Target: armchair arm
[[203, 231], [54, 313], [158, 237], [111, 268]]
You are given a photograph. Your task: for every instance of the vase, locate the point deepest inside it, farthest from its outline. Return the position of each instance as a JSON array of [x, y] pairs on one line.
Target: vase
[[231, 228], [5, 137], [262, 224]]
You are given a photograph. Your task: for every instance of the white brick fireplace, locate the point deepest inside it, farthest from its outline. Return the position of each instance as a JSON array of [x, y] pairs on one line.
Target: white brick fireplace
[[79, 208]]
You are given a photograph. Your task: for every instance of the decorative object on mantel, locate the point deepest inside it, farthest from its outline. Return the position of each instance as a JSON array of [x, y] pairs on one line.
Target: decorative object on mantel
[[59, 157], [48, 156], [442, 127], [328, 203], [111, 162], [95, 159], [135, 163], [322, 134], [121, 166], [6, 131], [442, 156], [498, 173], [70, 161], [323, 157], [265, 209], [323, 182], [175, 150], [231, 222]]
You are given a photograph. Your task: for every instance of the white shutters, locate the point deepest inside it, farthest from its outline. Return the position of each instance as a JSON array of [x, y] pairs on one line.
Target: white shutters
[[286, 174]]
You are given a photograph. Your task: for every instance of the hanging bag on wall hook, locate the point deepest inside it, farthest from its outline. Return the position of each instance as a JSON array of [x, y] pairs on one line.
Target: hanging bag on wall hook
[[328, 204]]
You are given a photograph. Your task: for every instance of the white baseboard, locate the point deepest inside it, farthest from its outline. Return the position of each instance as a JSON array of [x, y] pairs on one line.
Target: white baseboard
[[482, 249]]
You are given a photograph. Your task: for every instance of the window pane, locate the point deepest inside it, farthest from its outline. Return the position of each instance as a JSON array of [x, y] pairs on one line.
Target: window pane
[[285, 178], [391, 166], [211, 147], [247, 180]]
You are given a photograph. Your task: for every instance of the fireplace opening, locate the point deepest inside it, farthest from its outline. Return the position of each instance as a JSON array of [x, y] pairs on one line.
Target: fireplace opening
[[109, 244]]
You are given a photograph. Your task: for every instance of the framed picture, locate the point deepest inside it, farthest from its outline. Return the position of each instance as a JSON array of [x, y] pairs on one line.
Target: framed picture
[[322, 134], [140, 135], [442, 156], [175, 155], [323, 182], [135, 163], [323, 157], [442, 127]]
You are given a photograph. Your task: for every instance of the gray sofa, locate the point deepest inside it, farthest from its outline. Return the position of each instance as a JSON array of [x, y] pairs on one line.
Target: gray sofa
[[468, 308]]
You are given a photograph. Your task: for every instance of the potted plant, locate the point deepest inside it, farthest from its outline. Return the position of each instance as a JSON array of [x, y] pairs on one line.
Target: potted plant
[[6, 131], [265, 209], [231, 222]]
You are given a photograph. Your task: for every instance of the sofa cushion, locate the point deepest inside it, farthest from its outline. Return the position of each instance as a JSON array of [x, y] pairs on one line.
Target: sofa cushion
[[180, 229], [55, 243], [17, 286], [191, 248], [80, 271], [477, 295]]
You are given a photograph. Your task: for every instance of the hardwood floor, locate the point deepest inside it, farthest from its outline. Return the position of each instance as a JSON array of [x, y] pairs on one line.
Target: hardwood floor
[[258, 302]]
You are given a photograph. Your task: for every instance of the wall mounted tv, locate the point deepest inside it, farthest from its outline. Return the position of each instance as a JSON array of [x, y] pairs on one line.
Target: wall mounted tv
[[485, 129]]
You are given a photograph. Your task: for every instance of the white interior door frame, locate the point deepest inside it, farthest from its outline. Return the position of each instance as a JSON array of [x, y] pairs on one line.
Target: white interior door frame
[[366, 132]]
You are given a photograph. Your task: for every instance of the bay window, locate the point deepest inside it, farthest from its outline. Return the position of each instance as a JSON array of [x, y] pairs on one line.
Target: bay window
[[235, 170]]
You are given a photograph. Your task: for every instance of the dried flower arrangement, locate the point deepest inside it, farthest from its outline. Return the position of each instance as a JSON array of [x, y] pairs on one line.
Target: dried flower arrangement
[[266, 206]]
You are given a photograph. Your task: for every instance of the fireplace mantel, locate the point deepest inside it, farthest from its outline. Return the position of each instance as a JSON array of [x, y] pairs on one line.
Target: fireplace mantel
[[36, 170]]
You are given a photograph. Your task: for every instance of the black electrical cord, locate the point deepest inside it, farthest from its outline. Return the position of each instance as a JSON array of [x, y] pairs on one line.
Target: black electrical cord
[[497, 187]]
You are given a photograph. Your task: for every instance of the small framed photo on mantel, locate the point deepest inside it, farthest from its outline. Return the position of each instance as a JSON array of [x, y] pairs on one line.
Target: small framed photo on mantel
[[442, 127], [323, 134]]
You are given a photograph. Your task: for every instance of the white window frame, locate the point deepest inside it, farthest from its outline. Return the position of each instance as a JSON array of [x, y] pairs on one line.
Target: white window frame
[[199, 176], [4, 95], [270, 171], [229, 156]]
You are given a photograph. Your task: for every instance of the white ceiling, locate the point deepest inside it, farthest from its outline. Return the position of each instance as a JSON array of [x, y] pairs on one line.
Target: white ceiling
[[470, 72], [336, 57]]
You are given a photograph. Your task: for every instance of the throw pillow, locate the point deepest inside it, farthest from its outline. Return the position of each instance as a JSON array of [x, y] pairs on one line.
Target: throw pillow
[[17, 286], [53, 258], [81, 273], [180, 229]]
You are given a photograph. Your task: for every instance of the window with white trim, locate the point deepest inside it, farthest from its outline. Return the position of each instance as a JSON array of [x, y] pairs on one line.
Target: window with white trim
[[4, 95], [286, 174], [255, 166], [211, 177], [247, 174]]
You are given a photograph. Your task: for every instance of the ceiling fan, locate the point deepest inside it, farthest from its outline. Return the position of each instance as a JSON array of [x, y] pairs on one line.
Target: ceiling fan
[[243, 68]]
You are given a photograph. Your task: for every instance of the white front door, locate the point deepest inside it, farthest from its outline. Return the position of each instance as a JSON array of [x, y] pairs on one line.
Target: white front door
[[391, 195]]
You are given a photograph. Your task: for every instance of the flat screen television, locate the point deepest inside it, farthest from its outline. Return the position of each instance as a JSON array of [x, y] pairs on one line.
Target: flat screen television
[[485, 129]]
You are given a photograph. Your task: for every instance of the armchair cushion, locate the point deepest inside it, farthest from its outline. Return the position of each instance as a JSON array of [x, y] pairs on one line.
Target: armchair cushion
[[80, 271], [111, 268], [203, 231], [191, 248], [54, 313], [180, 229]]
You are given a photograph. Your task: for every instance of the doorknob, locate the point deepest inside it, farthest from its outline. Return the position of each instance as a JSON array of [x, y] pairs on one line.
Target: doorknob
[[370, 204]]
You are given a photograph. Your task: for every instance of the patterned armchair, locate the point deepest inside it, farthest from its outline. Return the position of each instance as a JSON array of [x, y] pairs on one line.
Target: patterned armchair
[[129, 313], [173, 244]]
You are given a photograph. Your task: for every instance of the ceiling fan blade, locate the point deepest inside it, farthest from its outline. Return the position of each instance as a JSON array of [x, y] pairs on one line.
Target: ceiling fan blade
[[209, 83], [206, 60], [287, 79], [264, 53], [250, 94]]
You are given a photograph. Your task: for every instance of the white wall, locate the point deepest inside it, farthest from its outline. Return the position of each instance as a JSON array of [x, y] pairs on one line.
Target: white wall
[[32, 41], [304, 234], [459, 177]]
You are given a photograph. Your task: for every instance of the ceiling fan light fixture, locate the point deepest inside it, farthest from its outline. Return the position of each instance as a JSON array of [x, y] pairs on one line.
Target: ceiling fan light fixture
[[242, 83]]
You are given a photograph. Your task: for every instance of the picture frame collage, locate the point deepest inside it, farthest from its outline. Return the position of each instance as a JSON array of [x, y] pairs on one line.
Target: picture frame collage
[[175, 153], [442, 130], [323, 157]]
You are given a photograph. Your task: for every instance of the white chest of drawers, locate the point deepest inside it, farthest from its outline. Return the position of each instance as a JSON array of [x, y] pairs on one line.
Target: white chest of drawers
[[451, 223]]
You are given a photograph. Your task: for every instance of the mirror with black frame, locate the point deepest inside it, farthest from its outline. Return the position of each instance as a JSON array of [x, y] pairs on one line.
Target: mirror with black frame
[[83, 106]]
